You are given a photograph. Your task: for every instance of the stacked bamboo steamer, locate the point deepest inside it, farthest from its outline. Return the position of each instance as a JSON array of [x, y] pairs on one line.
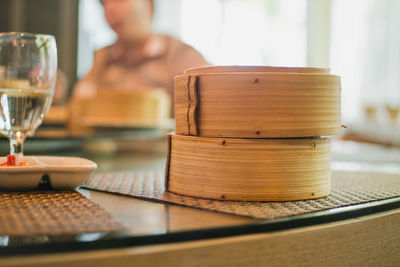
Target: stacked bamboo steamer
[[253, 133]]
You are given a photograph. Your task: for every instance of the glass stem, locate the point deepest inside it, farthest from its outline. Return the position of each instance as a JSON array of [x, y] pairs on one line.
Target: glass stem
[[16, 144]]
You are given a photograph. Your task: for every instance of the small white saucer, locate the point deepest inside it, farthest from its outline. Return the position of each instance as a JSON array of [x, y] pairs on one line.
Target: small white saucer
[[62, 172]]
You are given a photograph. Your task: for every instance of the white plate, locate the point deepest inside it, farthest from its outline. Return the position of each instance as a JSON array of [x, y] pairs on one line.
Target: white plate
[[63, 172]]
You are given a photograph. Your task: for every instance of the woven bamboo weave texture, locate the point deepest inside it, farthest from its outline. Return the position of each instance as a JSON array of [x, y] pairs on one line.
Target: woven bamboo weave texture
[[348, 188]]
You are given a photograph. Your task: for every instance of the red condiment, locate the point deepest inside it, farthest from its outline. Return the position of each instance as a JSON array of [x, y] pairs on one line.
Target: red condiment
[[12, 160]]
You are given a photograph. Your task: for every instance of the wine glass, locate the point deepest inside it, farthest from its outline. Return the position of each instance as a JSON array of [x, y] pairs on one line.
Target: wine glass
[[28, 69]]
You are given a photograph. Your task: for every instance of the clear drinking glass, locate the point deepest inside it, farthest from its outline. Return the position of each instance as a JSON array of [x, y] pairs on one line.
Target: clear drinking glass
[[28, 69]]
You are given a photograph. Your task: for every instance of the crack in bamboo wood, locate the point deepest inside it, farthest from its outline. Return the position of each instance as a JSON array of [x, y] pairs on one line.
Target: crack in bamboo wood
[[192, 105]]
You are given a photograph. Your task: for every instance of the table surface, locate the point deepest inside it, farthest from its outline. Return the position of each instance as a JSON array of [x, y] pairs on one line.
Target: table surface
[[148, 222]]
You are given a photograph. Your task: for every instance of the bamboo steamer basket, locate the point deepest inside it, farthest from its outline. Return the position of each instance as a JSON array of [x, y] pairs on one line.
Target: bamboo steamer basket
[[248, 169], [228, 69], [257, 102], [117, 108]]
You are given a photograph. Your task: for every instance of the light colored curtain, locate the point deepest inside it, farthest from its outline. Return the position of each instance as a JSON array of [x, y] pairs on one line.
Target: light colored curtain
[[365, 52], [381, 68], [253, 32]]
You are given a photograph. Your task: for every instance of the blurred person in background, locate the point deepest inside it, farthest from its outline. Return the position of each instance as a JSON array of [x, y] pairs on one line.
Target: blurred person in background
[[139, 59]]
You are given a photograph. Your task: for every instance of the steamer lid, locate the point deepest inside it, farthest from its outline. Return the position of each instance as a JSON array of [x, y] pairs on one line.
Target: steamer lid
[[247, 69]]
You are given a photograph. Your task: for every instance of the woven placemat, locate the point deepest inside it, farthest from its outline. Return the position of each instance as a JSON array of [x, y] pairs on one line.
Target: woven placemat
[[52, 213], [348, 188]]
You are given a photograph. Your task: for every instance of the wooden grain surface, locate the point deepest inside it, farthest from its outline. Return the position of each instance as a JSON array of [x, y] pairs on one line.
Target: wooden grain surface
[[259, 104], [249, 169], [224, 69], [366, 241]]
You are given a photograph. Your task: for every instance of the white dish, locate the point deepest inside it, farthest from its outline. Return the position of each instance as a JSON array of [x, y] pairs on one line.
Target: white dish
[[62, 172]]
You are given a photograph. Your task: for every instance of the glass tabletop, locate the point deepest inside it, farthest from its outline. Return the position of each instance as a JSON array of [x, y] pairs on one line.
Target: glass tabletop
[[148, 222]]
